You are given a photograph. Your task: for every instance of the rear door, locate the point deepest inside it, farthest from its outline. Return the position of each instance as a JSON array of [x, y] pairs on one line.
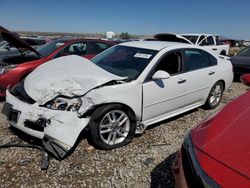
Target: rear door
[[200, 71]]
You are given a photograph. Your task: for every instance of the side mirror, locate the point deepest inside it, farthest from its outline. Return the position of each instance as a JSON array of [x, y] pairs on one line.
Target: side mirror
[[160, 74], [245, 79]]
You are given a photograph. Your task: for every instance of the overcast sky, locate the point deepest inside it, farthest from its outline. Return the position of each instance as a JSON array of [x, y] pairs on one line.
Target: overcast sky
[[229, 18]]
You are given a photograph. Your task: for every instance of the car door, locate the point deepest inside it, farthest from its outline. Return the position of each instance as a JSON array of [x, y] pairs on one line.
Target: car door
[[200, 72], [164, 96]]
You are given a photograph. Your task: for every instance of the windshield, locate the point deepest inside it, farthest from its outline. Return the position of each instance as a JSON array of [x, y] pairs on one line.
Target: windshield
[[191, 38], [47, 49], [245, 52], [125, 61]]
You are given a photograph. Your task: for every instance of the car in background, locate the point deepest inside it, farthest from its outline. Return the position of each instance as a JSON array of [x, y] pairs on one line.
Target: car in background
[[216, 152], [241, 62], [207, 41], [120, 93], [7, 50], [15, 69]]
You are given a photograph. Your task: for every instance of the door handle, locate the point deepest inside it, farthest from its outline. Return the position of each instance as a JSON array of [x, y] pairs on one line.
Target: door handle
[[211, 72], [181, 81], [214, 48]]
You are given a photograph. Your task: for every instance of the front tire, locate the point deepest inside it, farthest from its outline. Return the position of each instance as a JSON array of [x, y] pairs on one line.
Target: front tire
[[112, 126], [215, 95]]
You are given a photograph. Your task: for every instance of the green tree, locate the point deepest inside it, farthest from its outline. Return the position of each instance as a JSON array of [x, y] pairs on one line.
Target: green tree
[[125, 36]]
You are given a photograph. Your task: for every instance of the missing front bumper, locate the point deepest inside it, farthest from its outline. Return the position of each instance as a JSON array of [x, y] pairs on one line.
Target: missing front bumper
[[58, 130]]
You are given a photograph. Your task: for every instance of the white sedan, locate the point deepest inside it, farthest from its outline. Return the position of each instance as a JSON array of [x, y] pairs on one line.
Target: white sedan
[[124, 90]]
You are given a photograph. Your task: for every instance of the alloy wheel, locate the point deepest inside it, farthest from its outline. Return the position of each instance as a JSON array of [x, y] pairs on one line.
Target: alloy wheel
[[114, 127], [216, 95]]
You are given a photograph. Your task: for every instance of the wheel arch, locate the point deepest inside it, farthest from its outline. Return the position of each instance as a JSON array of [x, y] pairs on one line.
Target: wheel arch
[[223, 82], [207, 104], [89, 112]]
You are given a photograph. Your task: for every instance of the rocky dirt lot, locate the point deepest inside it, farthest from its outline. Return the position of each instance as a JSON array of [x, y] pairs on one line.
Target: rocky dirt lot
[[143, 163]]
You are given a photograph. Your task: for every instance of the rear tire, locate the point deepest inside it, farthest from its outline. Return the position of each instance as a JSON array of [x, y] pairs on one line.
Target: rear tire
[[215, 95], [112, 126]]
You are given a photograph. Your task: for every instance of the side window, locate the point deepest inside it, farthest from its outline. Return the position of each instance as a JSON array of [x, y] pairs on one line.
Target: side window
[[207, 41], [210, 40], [201, 38], [204, 42], [79, 48], [197, 59], [170, 63], [97, 47]]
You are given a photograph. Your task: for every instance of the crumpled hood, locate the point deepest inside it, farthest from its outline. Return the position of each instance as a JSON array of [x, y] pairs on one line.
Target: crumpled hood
[[69, 75]]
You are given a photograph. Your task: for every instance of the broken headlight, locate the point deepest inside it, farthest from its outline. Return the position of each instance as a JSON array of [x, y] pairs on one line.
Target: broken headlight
[[65, 104], [79, 105]]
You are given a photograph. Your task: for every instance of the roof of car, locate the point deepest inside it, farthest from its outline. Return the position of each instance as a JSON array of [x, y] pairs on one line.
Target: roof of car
[[153, 45]]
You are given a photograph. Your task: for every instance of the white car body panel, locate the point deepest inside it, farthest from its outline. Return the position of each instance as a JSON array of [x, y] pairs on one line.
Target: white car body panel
[[150, 101], [129, 94], [64, 78]]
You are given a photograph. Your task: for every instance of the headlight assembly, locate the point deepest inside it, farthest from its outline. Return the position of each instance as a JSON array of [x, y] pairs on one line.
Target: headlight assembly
[[65, 104], [7, 68], [79, 105]]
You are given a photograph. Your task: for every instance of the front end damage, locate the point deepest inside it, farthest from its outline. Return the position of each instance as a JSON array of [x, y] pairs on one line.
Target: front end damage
[[58, 129], [56, 105]]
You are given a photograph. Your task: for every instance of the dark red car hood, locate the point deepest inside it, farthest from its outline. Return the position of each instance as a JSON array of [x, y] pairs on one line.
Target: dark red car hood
[[14, 40], [226, 137]]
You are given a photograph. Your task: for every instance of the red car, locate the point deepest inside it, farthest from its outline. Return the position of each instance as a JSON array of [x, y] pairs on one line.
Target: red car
[[216, 153], [15, 69]]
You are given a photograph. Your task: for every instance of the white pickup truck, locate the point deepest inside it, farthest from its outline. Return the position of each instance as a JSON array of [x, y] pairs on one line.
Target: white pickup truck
[[208, 41]]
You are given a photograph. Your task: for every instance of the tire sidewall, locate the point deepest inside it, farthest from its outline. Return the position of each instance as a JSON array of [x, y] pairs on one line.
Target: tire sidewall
[[97, 116]]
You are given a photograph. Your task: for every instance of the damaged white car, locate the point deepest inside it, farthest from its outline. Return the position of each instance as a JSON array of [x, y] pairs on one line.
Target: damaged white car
[[123, 91]]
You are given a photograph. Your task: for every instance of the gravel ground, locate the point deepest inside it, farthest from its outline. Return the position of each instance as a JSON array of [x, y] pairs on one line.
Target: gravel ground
[[143, 163]]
